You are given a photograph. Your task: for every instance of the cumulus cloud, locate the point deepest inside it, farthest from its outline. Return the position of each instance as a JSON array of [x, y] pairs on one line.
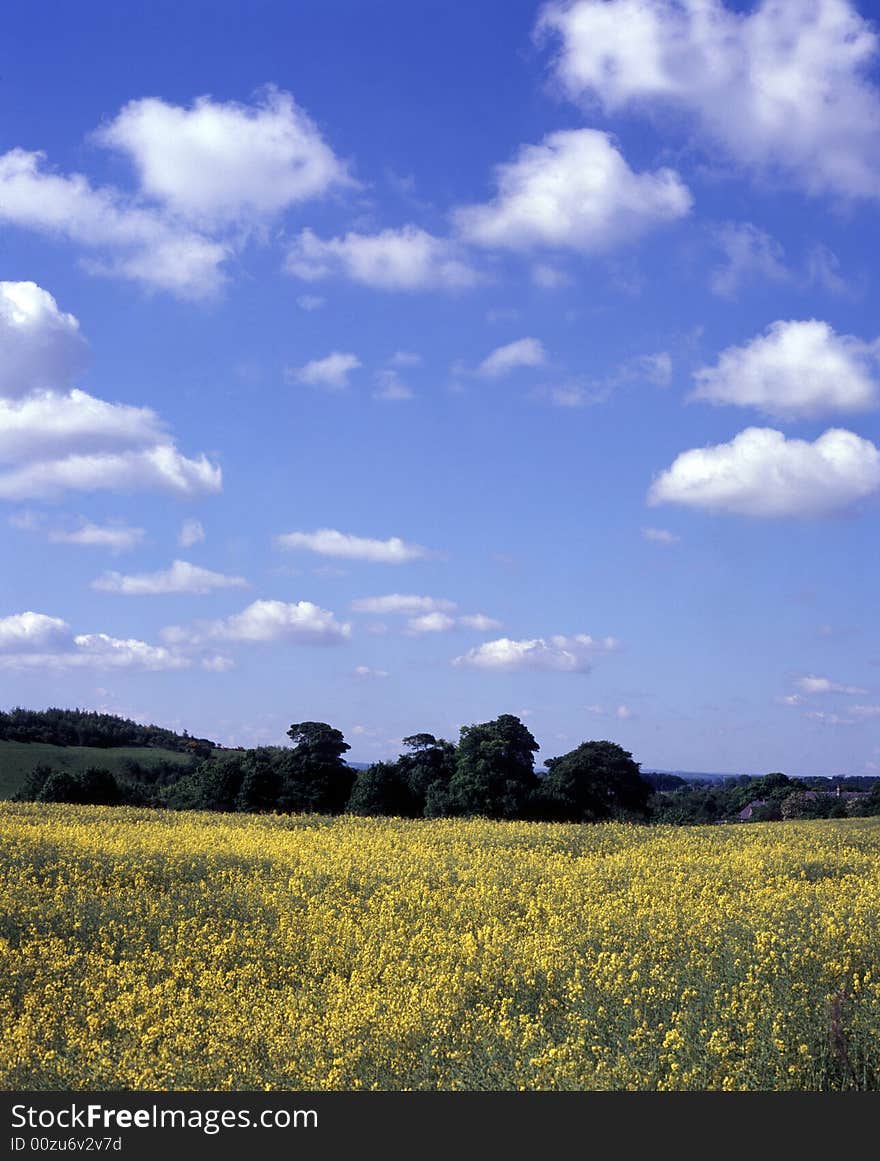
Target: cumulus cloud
[[219, 164], [761, 473], [181, 577], [48, 424], [795, 370], [330, 542], [573, 191], [521, 353], [191, 532], [127, 240], [402, 603], [158, 469], [40, 346], [783, 89], [265, 621], [208, 176], [52, 441], [331, 372], [404, 259], [366, 672], [27, 631], [559, 653], [811, 684], [36, 641]]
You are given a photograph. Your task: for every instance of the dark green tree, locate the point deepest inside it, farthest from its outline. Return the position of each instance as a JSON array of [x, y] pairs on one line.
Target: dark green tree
[[94, 786], [383, 789], [33, 784], [428, 766], [314, 775], [213, 785], [597, 780], [262, 781], [494, 769]]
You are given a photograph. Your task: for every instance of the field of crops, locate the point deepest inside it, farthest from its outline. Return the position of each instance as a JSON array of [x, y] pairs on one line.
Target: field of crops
[[154, 950], [17, 759]]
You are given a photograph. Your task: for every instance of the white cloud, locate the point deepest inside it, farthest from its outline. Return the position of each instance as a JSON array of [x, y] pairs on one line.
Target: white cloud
[[864, 713], [367, 672], [795, 370], [48, 424], [103, 651], [390, 387], [40, 346], [783, 89], [160, 469], [749, 253], [52, 441], [660, 536], [129, 240], [813, 685], [310, 302], [430, 623], [761, 473], [403, 259], [573, 191], [405, 604], [181, 577], [623, 713], [28, 631], [331, 372], [329, 542], [36, 641], [480, 622], [191, 532], [221, 164], [264, 621], [560, 653], [521, 353], [115, 535]]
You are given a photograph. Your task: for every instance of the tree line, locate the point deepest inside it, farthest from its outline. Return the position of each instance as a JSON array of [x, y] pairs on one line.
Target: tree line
[[490, 772], [77, 727]]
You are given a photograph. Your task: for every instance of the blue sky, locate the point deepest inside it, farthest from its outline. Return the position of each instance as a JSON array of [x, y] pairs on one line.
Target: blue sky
[[398, 365]]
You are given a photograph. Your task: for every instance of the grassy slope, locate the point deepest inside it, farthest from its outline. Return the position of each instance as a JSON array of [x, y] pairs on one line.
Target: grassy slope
[[17, 759]]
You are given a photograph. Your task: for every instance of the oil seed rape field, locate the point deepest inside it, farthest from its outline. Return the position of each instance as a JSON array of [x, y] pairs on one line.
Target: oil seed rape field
[[156, 950]]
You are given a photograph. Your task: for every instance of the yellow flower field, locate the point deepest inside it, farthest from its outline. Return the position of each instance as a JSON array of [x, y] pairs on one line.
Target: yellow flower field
[[157, 950]]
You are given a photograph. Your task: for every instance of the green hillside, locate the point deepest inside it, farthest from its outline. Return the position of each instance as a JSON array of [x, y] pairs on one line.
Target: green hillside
[[17, 759]]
